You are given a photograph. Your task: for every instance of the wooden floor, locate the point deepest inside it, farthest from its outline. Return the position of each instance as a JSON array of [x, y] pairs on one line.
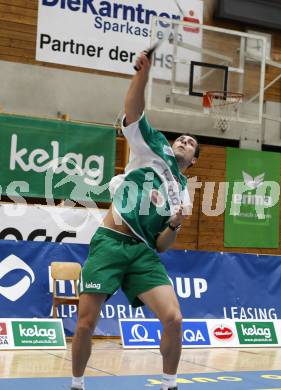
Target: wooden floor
[[109, 358]]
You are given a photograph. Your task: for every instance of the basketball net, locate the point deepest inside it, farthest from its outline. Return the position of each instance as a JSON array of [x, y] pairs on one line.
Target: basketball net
[[222, 106]]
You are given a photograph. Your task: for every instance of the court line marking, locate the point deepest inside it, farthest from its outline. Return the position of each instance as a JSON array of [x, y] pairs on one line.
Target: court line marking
[[90, 367]]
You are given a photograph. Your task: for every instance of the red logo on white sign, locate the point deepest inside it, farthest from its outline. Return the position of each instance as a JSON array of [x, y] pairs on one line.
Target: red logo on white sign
[[223, 333], [3, 329]]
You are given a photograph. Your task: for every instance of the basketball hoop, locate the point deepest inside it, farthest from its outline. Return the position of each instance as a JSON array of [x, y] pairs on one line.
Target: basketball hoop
[[222, 106]]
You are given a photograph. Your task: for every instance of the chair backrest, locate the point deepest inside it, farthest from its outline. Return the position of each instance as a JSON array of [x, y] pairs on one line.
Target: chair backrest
[[65, 270], [61, 271]]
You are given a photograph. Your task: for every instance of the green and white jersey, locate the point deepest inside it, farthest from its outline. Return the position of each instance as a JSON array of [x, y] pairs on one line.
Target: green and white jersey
[[145, 196]]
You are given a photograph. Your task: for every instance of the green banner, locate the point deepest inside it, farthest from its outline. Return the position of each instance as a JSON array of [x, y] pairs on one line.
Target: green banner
[[256, 333], [252, 200], [38, 334], [56, 159]]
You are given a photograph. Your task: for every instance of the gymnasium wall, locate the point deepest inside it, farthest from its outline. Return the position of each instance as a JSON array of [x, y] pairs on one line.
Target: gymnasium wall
[[273, 93], [18, 21]]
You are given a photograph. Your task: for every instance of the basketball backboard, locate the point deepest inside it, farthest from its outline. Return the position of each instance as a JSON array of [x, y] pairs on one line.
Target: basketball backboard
[[194, 59]]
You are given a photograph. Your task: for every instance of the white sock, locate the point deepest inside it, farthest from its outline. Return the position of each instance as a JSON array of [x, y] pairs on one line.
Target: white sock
[[78, 382], [168, 381]]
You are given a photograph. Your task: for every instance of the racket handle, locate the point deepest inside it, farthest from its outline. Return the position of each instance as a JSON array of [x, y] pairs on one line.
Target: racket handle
[[148, 54]]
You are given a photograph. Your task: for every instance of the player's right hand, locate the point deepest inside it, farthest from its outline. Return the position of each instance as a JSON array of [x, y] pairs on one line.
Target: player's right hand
[[142, 63]]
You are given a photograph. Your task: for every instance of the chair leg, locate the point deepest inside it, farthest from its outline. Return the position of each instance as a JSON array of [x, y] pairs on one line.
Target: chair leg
[[55, 314]]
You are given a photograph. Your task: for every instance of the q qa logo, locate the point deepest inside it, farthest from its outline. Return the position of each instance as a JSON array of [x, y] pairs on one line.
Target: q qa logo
[[140, 334]]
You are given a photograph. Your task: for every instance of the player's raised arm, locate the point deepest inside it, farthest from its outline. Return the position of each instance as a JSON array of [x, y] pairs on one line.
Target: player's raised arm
[[135, 101]]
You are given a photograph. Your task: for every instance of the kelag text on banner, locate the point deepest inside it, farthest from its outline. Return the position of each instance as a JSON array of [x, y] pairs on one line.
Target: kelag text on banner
[[54, 159]]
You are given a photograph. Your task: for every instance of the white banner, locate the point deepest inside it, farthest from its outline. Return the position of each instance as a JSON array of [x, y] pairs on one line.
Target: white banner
[[209, 333], [107, 35], [49, 223]]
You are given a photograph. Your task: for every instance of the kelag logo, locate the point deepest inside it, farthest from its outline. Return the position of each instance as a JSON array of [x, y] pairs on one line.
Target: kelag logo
[[33, 333], [72, 164], [147, 333], [256, 333]]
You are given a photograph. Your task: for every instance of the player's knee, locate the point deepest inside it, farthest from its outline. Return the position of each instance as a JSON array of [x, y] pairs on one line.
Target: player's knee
[[173, 322], [85, 324]]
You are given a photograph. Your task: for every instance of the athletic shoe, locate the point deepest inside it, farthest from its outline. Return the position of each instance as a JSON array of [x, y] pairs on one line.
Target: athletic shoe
[[172, 388]]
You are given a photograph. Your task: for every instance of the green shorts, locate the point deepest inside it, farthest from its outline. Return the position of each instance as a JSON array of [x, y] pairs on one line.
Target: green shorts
[[117, 260]]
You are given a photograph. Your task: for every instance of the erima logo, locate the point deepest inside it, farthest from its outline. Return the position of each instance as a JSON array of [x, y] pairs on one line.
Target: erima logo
[[251, 182], [140, 334], [93, 285], [12, 263]]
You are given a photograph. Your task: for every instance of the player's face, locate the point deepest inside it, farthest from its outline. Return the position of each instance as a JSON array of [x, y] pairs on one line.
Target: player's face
[[184, 148]]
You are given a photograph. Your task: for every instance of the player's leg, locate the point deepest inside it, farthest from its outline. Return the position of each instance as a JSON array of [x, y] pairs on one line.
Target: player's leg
[[89, 310], [101, 276], [163, 301]]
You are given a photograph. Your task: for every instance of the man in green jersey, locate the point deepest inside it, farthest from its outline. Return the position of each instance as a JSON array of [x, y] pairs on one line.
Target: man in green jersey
[[149, 204]]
